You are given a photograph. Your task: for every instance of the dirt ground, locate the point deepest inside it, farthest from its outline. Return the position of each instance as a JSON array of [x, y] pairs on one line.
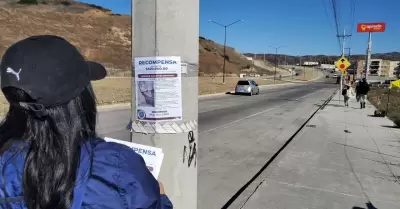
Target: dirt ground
[[309, 74], [379, 97]]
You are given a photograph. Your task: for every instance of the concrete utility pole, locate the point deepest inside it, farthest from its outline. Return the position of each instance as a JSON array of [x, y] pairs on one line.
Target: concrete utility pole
[[368, 58], [171, 28], [300, 61], [348, 57], [285, 60], [344, 36]]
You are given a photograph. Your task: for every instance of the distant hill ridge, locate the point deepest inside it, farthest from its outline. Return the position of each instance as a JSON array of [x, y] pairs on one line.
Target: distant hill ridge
[[104, 36], [98, 33], [292, 60]]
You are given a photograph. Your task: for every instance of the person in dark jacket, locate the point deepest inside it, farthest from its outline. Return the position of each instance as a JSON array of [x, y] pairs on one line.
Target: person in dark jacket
[[51, 155], [362, 90], [356, 87], [345, 94]]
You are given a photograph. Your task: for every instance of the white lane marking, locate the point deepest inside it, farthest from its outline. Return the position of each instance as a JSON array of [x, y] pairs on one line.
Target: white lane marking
[[255, 114]]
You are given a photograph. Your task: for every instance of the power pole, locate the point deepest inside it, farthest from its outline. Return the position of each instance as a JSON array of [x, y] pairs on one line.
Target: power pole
[[164, 28], [368, 58], [285, 60], [300, 61], [348, 57], [343, 36], [276, 62]]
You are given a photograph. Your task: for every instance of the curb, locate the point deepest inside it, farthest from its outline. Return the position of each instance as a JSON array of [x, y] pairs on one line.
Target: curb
[[102, 108]]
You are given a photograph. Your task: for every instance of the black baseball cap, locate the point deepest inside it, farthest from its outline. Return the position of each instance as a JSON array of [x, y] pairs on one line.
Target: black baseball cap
[[49, 69]]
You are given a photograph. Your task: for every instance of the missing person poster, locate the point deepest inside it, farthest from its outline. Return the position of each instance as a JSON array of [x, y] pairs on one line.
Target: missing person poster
[[158, 88], [152, 156]]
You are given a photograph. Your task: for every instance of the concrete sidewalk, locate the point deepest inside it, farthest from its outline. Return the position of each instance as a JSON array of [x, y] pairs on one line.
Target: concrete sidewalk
[[343, 159]]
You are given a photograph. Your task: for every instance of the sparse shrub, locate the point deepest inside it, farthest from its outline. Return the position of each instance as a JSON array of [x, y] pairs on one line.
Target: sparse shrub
[[227, 58], [65, 3], [28, 2], [99, 8]]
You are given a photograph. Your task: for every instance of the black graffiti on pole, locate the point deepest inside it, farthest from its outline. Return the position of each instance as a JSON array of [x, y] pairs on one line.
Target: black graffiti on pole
[[190, 152]]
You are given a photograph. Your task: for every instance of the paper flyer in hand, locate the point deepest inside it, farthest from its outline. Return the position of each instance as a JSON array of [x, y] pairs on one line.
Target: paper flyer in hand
[[152, 156]]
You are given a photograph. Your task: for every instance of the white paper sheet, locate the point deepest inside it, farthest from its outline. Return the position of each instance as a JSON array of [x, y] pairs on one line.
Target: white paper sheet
[[152, 156]]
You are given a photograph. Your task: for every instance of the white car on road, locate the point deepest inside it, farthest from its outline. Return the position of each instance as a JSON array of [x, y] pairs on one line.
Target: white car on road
[[248, 87]]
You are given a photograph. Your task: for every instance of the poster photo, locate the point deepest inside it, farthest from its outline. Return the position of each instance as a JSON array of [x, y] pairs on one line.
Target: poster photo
[[158, 88]]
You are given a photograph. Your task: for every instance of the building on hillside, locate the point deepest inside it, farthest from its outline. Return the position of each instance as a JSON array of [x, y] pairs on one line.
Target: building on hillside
[[308, 63], [249, 58], [327, 66], [397, 71], [395, 66], [360, 69], [378, 67]]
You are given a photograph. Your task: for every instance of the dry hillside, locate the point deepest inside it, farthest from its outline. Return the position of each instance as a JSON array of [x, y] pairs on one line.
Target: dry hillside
[[100, 35], [212, 59]]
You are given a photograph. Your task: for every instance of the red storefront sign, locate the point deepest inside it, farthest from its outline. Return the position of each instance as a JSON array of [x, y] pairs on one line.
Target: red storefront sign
[[371, 27]]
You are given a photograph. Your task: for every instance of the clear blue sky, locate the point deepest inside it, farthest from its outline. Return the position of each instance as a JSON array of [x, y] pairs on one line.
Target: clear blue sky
[[305, 26]]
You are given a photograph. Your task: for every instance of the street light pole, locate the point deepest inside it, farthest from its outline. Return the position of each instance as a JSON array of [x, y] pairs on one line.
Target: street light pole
[[276, 62], [276, 56], [225, 26], [223, 70]]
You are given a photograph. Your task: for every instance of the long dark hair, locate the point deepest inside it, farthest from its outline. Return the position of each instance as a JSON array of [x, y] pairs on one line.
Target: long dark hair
[[54, 141]]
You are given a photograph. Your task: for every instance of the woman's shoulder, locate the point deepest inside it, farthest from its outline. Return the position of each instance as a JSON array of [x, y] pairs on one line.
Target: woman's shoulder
[[108, 157], [103, 149], [118, 176]]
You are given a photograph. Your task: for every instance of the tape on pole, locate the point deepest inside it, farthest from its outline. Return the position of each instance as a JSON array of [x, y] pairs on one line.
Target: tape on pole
[[163, 128]]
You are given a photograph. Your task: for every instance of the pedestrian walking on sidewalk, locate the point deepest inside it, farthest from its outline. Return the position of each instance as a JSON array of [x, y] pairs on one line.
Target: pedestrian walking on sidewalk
[[362, 90], [345, 93], [50, 153], [356, 87]]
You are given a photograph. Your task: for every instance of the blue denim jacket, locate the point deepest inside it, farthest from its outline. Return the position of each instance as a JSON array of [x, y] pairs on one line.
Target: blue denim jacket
[[110, 176]]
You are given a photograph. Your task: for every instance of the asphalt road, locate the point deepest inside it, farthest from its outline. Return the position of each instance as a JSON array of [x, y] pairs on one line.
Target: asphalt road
[[220, 111], [113, 122], [237, 134]]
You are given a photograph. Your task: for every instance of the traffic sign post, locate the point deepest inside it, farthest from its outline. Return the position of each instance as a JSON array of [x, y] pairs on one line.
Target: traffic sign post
[[370, 28], [342, 64]]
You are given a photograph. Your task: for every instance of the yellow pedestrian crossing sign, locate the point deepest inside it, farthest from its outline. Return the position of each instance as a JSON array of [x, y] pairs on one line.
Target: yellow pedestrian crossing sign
[[342, 64]]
